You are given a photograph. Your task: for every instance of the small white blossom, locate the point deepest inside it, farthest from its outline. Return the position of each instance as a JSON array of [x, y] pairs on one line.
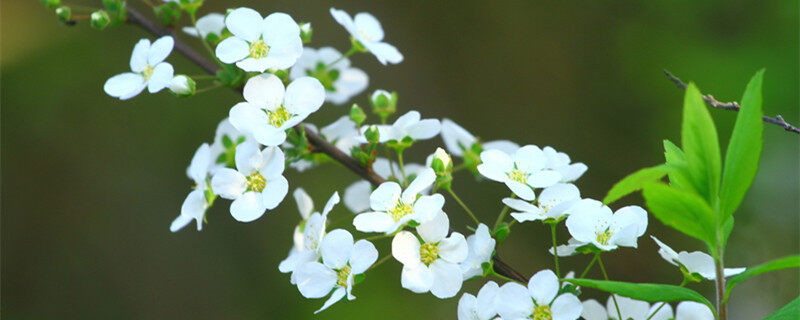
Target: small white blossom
[[260, 43], [560, 162], [457, 140], [553, 203], [342, 260], [482, 307], [695, 262], [628, 308], [540, 300], [195, 205], [525, 171], [149, 70], [393, 207], [481, 246], [432, 263], [212, 23], [270, 109], [341, 81], [256, 185], [356, 196], [408, 125], [182, 85], [308, 234], [592, 222], [368, 31]]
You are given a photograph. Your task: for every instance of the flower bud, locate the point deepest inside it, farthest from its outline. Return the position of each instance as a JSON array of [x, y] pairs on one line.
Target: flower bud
[[64, 14], [100, 19], [168, 13], [306, 32], [51, 3], [442, 163], [372, 134], [357, 115], [182, 86], [383, 103]]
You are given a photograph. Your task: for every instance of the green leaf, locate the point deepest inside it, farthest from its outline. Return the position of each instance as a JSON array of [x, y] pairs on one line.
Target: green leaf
[[700, 145], [678, 170], [790, 311], [779, 264], [682, 210], [744, 149], [634, 182], [649, 292]]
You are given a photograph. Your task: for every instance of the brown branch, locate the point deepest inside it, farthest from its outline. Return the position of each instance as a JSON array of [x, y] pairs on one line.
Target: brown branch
[[317, 142], [733, 105]]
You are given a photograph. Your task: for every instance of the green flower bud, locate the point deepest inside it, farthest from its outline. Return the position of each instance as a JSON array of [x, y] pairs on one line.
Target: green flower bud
[[306, 32], [357, 115], [51, 3], [372, 134], [182, 86], [384, 104], [168, 14], [100, 19], [64, 14]]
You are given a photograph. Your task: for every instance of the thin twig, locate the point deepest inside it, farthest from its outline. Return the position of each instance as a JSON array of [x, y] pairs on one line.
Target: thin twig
[[315, 140], [733, 105]]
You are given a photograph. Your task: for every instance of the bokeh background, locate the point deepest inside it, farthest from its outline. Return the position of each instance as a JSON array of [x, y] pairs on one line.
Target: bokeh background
[[90, 184]]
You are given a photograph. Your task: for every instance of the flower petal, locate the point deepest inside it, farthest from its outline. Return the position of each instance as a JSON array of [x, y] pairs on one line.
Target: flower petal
[[427, 207], [248, 158], [436, 229], [161, 77], [385, 52], [356, 196], [467, 307], [274, 191], [265, 91], [232, 49], [274, 162], [139, 55], [424, 129], [405, 248], [337, 295], [418, 278], [363, 256], [245, 23], [521, 190], [194, 207], [566, 307], [373, 222], [385, 196], [690, 310], [423, 180], [124, 85], [304, 95], [369, 28], [180, 222], [335, 248], [514, 301], [446, 279], [593, 310], [315, 280], [304, 202], [228, 183], [544, 179], [543, 287], [160, 50], [495, 165], [487, 300], [248, 207], [454, 248]]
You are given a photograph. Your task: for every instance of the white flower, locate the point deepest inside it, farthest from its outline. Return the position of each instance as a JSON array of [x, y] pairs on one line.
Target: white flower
[[195, 205], [457, 140], [560, 162], [569, 249], [341, 261], [259, 43], [408, 125], [342, 133], [212, 23], [368, 31], [483, 307], [592, 222], [695, 262], [341, 81], [308, 234], [553, 203], [525, 171], [256, 186], [628, 308], [481, 245], [394, 207], [431, 264], [540, 300], [149, 70], [270, 109], [356, 196]]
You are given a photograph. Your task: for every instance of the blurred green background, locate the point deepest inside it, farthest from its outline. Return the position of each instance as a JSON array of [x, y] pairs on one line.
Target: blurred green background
[[90, 184]]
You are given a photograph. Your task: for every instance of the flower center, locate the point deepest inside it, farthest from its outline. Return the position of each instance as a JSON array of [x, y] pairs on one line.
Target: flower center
[[256, 182], [518, 176], [428, 253], [324, 75], [259, 49], [603, 237], [342, 275], [147, 72], [364, 35], [542, 313], [279, 116], [401, 210]]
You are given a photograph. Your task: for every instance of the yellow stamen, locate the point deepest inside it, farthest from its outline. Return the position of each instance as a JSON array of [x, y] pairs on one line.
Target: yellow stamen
[[428, 253], [542, 313], [604, 237], [401, 210], [256, 182], [259, 49], [342, 275], [279, 116], [518, 176]]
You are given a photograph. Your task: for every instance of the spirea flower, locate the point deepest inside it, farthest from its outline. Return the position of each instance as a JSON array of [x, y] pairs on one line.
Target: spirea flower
[[308, 233], [482, 307], [431, 264], [592, 222], [260, 43], [195, 205], [341, 81], [458, 140], [256, 185], [367, 30], [356, 196], [540, 300], [525, 171], [409, 125], [560, 162], [393, 207], [481, 245], [342, 260], [270, 109], [628, 308], [553, 204], [694, 262], [210, 24], [149, 70]]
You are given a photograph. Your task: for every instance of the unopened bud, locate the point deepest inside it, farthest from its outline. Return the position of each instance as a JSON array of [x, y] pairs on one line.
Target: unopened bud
[[383, 103], [306, 32], [357, 115], [443, 161], [51, 3], [372, 134], [100, 19], [182, 86], [64, 14]]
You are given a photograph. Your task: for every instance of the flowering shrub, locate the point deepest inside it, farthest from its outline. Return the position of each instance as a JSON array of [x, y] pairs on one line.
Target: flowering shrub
[[284, 81]]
